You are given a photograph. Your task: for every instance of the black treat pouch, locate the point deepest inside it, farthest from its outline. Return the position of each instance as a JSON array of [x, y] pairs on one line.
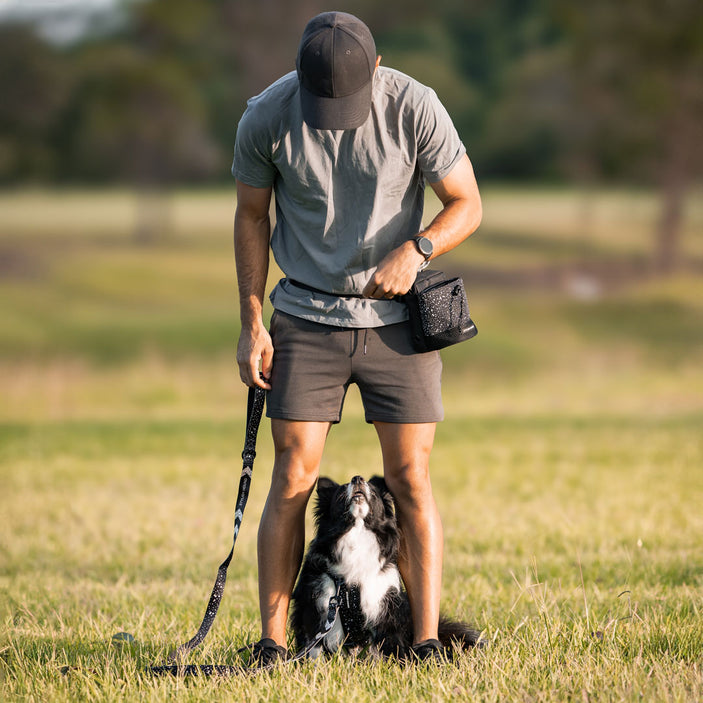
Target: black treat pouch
[[439, 311]]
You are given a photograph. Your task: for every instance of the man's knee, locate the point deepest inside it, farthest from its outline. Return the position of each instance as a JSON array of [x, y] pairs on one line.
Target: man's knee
[[409, 482], [292, 478], [406, 452], [298, 451]]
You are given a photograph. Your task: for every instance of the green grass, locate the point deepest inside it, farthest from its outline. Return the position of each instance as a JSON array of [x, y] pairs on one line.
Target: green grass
[[576, 544], [568, 470]]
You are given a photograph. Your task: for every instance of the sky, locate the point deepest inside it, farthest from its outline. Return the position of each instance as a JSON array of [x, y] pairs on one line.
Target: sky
[[62, 21]]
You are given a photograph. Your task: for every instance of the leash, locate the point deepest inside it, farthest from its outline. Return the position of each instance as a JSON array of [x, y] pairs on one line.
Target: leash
[[231, 670], [255, 407]]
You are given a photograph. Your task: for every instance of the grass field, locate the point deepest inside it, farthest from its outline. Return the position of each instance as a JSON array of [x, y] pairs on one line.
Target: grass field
[[568, 472]]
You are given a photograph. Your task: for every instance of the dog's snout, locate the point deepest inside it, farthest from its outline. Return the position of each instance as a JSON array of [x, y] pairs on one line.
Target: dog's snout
[[357, 493]]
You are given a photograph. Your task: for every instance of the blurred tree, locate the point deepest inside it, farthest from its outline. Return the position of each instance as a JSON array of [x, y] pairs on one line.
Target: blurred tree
[[537, 90], [637, 66], [35, 88], [159, 100], [140, 121], [140, 116], [508, 55]]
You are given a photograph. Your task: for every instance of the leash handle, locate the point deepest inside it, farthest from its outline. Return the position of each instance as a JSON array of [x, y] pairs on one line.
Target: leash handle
[[255, 408]]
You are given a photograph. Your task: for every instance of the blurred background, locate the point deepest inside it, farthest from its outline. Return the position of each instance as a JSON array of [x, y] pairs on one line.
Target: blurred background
[[573, 420], [584, 122]]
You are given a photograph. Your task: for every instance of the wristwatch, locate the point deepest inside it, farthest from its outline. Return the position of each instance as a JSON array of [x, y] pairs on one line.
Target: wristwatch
[[424, 246]]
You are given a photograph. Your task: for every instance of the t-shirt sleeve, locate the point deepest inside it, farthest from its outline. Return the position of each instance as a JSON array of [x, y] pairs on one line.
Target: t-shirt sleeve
[[252, 153], [438, 143]]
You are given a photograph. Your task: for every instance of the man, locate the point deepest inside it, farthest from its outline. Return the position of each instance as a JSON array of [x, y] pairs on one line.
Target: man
[[346, 147]]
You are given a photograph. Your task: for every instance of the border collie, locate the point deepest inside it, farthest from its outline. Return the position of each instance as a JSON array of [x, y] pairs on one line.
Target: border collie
[[355, 554]]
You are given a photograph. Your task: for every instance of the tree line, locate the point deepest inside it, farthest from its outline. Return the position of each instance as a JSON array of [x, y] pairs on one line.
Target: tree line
[[548, 90]]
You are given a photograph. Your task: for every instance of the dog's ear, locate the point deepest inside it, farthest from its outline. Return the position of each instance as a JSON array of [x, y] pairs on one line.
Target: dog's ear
[[326, 484], [326, 488], [379, 483]]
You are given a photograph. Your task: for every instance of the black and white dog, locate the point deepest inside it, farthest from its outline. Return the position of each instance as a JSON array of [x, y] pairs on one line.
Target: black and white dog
[[355, 551]]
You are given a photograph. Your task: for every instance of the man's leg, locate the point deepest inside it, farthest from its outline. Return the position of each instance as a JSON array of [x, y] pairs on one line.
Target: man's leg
[[406, 453], [281, 540]]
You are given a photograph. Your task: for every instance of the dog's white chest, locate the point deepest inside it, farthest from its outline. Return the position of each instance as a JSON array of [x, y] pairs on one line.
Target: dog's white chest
[[359, 563]]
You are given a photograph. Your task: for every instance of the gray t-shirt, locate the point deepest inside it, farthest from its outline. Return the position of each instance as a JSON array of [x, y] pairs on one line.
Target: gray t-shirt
[[344, 198]]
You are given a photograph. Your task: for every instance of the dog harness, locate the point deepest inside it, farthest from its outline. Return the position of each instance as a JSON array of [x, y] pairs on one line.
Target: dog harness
[[351, 615]]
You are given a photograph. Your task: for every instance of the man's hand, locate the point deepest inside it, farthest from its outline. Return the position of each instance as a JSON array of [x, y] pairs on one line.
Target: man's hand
[[459, 217], [396, 273], [255, 348]]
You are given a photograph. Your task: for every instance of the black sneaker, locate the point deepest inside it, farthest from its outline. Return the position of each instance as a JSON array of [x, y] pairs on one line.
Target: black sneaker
[[266, 653], [430, 651]]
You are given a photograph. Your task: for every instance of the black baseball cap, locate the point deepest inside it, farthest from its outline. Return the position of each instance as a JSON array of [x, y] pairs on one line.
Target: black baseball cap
[[335, 64]]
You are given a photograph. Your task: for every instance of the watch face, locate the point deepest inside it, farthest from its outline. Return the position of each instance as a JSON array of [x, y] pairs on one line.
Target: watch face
[[424, 246]]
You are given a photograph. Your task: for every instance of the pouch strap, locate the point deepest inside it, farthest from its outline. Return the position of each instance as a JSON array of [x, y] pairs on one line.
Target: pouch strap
[[319, 291]]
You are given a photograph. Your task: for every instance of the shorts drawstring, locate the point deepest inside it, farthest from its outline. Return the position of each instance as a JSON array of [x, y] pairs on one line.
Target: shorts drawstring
[[354, 341]]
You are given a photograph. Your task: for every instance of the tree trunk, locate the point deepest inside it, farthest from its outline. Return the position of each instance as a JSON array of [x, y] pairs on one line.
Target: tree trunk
[[153, 214], [667, 255], [674, 179]]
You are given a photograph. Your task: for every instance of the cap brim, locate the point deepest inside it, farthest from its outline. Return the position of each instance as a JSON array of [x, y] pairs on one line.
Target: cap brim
[[348, 112]]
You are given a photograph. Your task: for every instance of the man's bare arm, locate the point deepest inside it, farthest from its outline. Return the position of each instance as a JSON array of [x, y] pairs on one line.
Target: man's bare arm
[[459, 217], [252, 232]]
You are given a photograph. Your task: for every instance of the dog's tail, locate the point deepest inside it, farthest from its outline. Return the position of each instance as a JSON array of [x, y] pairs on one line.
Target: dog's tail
[[457, 633]]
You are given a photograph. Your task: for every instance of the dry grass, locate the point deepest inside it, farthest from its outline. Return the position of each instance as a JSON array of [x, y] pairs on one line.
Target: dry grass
[[567, 471]]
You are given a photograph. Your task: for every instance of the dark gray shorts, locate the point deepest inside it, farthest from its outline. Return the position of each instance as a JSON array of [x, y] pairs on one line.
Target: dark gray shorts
[[314, 364]]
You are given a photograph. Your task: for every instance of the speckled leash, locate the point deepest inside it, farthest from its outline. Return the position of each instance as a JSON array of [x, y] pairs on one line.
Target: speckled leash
[[255, 407], [239, 670]]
